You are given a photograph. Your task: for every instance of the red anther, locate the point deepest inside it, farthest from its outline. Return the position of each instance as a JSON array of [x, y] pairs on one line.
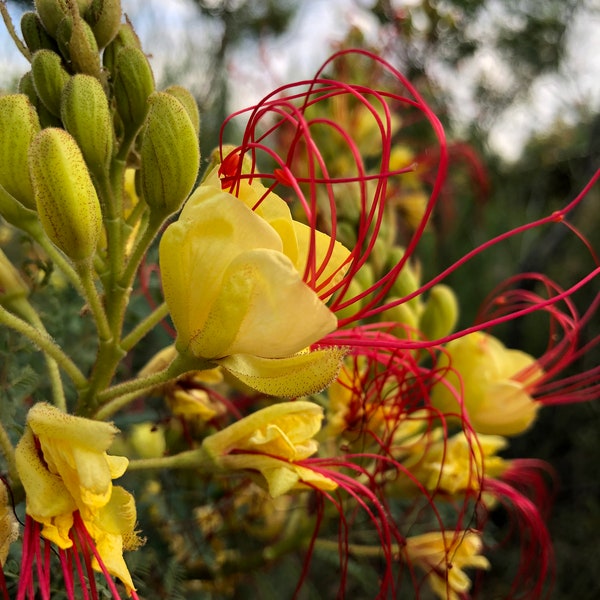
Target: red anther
[[229, 169], [284, 176]]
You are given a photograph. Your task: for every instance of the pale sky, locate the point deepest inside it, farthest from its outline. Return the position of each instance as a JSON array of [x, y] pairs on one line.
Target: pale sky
[[258, 67]]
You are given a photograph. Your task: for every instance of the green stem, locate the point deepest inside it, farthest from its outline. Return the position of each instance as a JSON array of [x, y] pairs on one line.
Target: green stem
[[27, 312], [13, 34], [141, 247], [190, 459], [91, 294], [356, 549], [144, 327], [57, 258], [45, 343], [117, 397]]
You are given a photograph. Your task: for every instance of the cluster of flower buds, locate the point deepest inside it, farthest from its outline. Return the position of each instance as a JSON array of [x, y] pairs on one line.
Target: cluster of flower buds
[[83, 116]]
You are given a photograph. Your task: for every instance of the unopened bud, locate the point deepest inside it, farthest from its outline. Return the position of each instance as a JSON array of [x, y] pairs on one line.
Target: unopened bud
[[86, 116], [77, 43], [46, 118], [18, 124], [51, 13], [403, 314], [12, 286], [189, 103], [407, 281], [49, 79], [124, 38], [439, 317], [66, 199], [104, 17], [133, 83], [170, 155], [35, 35]]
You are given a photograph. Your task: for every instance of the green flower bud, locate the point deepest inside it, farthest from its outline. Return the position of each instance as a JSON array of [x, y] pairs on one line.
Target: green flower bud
[[439, 317], [12, 287], [125, 37], [408, 279], [35, 35], [46, 118], [86, 116], [49, 78], [66, 199], [104, 17], [51, 13], [170, 155], [133, 83], [18, 125], [78, 45], [403, 314], [189, 103]]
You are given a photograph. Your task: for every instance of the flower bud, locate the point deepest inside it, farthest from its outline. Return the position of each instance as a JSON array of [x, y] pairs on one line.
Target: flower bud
[[407, 281], [12, 286], [77, 43], [49, 79], [35, 35], [66, 199], [18, 124], [51, 13], [440, 313], [104, 17], [86, 116], [133, 83], [170, 155], [124, 38], [189, 103], [46, 118]]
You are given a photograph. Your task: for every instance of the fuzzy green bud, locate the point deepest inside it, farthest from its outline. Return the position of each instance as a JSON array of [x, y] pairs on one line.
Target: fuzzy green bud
[[104, 17], [407, 281], [78, 45], [440, 314], [12, 287], [46, 118], [170, 155], [403, 314], [49, 79], [18, 125], [125, 37], [189, 103], [86, 116], [133, 83], [51, 13], [35, 35], [66, 199]]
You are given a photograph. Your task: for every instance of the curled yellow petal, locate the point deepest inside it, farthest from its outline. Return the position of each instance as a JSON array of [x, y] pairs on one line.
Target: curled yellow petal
[[298, 375]]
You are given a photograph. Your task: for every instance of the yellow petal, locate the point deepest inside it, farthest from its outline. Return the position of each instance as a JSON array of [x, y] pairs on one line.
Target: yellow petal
[[298, 375], [263, 308], [48, 421], [299, 421], [46, 494], [334, 266], [196, 250]]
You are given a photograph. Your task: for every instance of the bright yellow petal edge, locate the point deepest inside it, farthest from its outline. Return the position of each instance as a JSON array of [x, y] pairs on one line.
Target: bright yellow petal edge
[[63, 466]]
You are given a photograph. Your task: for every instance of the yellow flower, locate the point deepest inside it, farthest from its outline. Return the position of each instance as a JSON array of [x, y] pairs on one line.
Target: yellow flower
[[272, 441], [495, 382], [9, 528], [233, 270], [64, 468], [443, 555], [452, 465]]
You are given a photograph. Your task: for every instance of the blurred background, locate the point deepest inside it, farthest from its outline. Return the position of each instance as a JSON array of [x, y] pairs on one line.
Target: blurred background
[[516, 84]]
